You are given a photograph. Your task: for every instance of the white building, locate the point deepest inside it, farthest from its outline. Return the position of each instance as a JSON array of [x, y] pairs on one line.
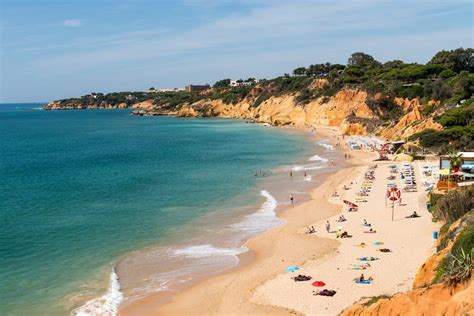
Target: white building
[[234, 83]]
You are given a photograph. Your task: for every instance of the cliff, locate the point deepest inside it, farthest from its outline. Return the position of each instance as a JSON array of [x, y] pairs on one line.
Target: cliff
[[347, 109], [439, 299]]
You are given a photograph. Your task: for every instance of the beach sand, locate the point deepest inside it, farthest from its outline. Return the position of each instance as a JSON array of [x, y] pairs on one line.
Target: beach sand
[[260, 286]]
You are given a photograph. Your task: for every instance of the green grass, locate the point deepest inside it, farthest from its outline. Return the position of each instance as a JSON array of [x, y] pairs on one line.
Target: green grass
[[375, 299]]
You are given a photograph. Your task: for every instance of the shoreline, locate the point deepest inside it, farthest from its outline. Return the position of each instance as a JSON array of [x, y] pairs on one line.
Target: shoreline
[[157, 303], [277, 185], [262, 287]]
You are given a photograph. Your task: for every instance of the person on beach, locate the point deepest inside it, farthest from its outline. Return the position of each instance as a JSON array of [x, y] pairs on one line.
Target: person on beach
[[291, 174], [305, 174], [291, 198], [328, 226]]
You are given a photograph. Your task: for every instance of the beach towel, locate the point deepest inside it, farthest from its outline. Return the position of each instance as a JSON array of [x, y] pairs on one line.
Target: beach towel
[[378, 243], [292, 269], [363, 281], [361, 245]]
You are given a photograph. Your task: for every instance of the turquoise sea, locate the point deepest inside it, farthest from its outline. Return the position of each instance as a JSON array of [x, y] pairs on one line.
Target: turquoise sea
[[81, 190]]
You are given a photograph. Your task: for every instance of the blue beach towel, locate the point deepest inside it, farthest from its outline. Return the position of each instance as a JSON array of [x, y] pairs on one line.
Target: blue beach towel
[[363, 282], [292, 269]]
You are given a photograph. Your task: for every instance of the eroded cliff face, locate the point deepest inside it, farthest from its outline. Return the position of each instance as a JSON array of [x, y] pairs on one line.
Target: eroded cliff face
[[411, 122], [347, 109], [436, 300], [285, 110]]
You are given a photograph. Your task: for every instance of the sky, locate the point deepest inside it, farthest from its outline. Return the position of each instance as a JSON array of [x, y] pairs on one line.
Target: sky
[[51, 49]]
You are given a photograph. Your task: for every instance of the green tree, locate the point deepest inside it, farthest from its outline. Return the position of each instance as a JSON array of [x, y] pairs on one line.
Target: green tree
[[300, 71], [362, 60], [224, 83], [455, 160], [457, 60]]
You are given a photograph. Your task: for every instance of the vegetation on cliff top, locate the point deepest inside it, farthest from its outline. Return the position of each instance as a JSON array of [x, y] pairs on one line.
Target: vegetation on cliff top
[[448, 78]]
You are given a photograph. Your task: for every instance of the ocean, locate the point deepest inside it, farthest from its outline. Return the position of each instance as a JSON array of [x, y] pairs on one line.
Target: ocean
[[99, 207]]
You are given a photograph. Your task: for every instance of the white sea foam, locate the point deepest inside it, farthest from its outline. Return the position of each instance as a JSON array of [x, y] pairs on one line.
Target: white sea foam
[[317, 158], [327, 146], [204, 251], [263, 219], [106, 305], [306, 167], [308, 178]]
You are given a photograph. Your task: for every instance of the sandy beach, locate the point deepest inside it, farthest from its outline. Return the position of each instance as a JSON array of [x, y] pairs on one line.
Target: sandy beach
[[260, 285]]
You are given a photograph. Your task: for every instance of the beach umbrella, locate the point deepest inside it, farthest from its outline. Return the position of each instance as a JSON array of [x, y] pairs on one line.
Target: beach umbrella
[[350, 203], [292, 269], [318, 283]]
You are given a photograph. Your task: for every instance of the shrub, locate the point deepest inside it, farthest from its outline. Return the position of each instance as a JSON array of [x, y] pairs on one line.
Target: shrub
[[454, 204], [457, 266], [462, 116]]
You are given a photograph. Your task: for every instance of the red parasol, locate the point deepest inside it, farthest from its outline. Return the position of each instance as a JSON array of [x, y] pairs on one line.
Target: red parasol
[[319, 283], [350, 203]]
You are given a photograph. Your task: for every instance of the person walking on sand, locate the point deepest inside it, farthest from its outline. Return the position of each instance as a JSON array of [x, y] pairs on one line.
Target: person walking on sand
[[305, 174], [291, 198], [328, 226], [291, 174]]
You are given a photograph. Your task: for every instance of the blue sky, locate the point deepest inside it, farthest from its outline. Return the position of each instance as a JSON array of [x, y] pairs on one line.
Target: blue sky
[[56, 49]]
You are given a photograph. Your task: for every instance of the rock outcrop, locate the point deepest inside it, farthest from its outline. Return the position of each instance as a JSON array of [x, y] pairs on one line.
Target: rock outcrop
[[411, 122]]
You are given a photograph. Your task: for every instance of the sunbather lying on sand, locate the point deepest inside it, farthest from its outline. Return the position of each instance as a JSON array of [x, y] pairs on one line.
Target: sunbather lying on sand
[[310, 230], [343, 235], [361, 266], [366, 223], [413, 215], [367, 259], [370, 231], [341, 219], [325, 292], [301, 277], [384, 250]]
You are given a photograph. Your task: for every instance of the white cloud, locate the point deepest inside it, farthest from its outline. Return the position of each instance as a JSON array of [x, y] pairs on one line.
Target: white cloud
[[72, 23]]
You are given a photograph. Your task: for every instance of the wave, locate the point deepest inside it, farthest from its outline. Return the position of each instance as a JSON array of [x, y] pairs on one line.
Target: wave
[[327, 146], [308, 178], [106, 305], [204, 251], [317, 158], [263, 219], [306, 167]]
